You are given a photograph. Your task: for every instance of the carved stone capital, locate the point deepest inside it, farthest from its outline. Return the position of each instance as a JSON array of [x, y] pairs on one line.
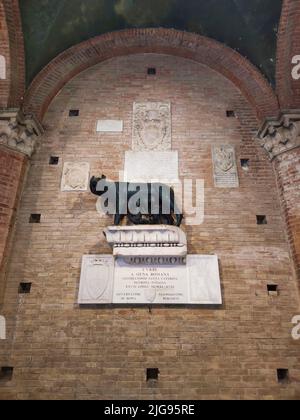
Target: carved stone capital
[[281, 135], [19, 132]]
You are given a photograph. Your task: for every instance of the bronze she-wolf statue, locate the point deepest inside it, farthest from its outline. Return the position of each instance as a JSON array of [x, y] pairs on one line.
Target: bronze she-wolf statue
[[157, 196]]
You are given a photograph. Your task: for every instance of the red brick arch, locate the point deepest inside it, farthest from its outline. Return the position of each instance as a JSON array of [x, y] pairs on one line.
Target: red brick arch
[[12, 47], [162, 41], [288, 46]]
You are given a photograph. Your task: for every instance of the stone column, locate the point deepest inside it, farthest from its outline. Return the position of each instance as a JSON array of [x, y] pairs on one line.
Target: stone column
[[281, 140], [18, 138]]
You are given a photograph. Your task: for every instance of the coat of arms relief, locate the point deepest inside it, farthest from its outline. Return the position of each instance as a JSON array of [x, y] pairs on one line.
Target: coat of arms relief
[[152, 126], [224, 158], [225, 168]]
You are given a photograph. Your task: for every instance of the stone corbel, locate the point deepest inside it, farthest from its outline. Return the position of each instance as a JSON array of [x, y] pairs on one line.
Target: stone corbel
[[159, 243], [19, 132], [278, 136]]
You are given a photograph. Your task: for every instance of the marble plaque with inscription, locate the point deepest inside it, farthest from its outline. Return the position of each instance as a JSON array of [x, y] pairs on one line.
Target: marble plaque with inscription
[[105, 280], [225, 168], [151, 167], [96, 282], [109, 126], [150, 284]]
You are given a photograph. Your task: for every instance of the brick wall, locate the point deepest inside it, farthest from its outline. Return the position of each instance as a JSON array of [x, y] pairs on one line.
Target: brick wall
[[59, 350], [4, 50], [12, 44]]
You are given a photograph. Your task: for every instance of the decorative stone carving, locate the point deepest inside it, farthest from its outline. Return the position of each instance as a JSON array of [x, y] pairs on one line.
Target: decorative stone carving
[[19, 132], [279, 136], [152, 126], [155, 260], [225, 169], [75, 176], [145, 244]]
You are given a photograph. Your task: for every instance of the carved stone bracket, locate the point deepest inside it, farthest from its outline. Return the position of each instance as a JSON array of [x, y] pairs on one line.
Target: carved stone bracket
[[281, 135], [151, 242], [19, 132]]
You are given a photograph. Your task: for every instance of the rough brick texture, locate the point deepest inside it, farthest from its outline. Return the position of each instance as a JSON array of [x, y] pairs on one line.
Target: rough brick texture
[[287, 167], [12, 45], [164, 41], [4, 50], [288, 46], [12, 169], [62, 351]]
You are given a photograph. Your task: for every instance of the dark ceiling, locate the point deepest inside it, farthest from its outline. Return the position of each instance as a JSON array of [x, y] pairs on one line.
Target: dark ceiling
[[249, 26]]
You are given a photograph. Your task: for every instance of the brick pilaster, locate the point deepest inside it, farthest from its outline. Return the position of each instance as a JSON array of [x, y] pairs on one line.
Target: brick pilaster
[[281, 139], [13, 167]]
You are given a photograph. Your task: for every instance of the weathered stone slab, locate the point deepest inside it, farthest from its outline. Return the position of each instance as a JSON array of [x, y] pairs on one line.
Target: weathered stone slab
[[204, 280], [109, 126], [151, 167], [2, 68], [2, 328], [75, 176]]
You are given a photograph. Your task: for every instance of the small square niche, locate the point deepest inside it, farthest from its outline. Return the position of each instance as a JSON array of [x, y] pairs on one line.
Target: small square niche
[[74, 113], [283, 376], [25, 288], [230, 114], [54, 160], [151, 71], [272, 289], [152, 374], [6, 373], [35, 218], [261, 220], [245, 164]]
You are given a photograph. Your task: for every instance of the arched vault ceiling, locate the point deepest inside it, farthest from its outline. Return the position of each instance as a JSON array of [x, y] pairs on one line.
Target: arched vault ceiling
[[249, 26]]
